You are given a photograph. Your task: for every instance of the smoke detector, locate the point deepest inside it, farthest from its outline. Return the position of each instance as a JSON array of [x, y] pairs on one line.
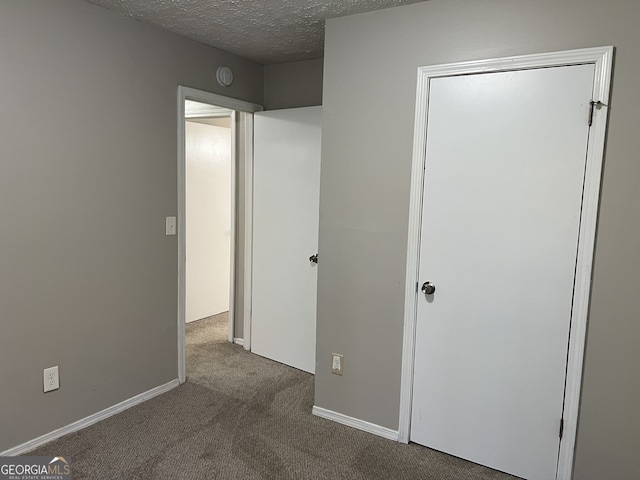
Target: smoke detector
[[224, 75]]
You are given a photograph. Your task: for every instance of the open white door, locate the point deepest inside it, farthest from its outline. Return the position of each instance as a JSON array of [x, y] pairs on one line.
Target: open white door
[[503, 193], [286, 196]]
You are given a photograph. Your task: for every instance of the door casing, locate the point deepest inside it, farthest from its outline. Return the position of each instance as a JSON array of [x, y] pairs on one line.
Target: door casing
[[187, 93], [602, 58]]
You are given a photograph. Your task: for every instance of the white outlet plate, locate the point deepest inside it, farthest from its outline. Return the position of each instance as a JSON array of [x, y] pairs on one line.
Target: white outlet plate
[[337, 363], [170, 226], [51, 379]]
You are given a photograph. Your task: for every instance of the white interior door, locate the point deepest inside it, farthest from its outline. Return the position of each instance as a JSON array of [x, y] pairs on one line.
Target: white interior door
[[285, 234], [505, 164]]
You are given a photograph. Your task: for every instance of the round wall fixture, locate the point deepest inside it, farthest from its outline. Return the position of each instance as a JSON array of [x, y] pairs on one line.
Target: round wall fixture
[[224, 75]]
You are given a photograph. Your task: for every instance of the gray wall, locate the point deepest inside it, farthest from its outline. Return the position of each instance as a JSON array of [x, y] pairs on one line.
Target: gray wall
[[88, 147], [369, 75], [293, 84]]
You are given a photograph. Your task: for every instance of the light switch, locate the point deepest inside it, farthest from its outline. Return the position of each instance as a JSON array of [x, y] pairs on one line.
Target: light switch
[[337, 363], [171, 226]]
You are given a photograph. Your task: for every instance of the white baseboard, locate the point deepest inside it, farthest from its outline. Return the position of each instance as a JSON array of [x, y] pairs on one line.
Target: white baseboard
[[90, 420], [356, 423], [238, 341]]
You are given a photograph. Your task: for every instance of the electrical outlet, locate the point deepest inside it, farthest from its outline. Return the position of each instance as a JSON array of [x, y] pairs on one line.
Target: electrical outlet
[[51, 379], [337, 363]]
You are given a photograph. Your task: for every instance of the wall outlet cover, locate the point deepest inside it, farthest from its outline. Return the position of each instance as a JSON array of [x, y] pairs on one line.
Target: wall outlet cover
[[51, 379]]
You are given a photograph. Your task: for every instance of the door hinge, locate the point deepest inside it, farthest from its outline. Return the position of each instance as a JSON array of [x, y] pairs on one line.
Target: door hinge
[[592, 105], [561, 427]]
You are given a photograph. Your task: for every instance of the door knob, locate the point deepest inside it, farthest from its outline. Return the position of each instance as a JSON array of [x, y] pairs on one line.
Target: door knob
[[313, 258], [428, 288]]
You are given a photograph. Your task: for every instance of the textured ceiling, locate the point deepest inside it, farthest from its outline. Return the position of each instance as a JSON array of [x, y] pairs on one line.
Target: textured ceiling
[[265, 31]]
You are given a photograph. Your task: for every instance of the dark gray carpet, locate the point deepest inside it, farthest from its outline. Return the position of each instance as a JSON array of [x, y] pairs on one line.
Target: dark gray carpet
[[240, 416]]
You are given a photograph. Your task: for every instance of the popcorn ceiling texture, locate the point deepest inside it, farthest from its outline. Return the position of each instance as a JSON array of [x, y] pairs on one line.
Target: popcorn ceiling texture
[[265, 31]]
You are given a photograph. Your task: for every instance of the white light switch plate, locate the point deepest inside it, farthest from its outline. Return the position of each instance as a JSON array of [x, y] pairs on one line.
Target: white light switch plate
[[171, 226], [337, 363]]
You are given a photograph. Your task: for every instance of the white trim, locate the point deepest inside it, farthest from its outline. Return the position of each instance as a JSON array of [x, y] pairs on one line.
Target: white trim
[[584, 264], [248, 228], [539, 60], [411, 295], [182, 233], [601, 57], [206, 116], [355, 423], [185, 93], [233, 227], [238, 341], [189, 93], [90, 420]]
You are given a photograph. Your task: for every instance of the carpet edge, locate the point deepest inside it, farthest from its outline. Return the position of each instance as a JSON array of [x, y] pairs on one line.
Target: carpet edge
[[90, 420]]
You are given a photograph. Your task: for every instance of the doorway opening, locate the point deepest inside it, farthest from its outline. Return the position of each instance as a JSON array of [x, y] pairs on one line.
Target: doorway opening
[[208, 157], [209, 292], [215, 161]]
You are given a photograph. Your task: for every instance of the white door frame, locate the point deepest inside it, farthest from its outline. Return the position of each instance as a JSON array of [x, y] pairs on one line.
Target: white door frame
[[187, 93], [602, 58]]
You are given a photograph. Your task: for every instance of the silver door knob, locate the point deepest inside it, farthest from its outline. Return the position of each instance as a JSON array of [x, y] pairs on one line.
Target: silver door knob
[[428, 288]]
